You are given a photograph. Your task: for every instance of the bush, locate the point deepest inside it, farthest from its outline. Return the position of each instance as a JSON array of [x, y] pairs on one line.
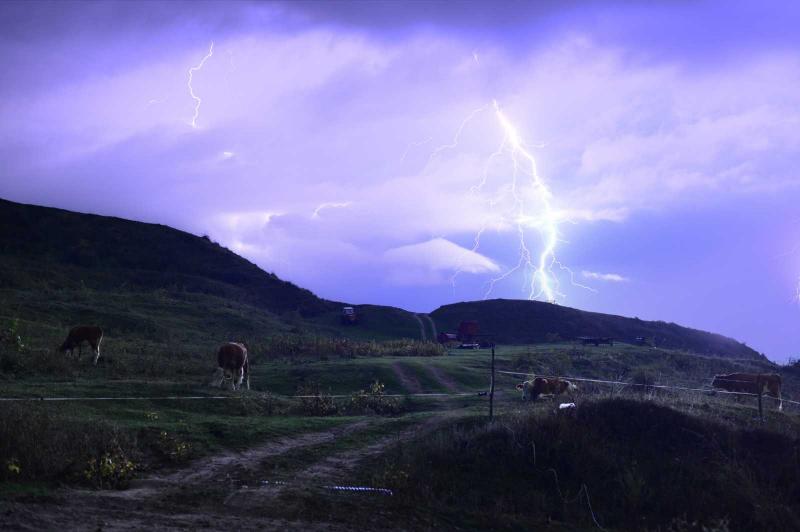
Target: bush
[[10, 336], [318, 404], [172, 448], [111, 470], [38, 444], [374, 401]]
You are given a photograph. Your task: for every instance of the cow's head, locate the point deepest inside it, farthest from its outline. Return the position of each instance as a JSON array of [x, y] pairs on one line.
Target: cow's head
[[528, 391], [217, 378], [66, 346]]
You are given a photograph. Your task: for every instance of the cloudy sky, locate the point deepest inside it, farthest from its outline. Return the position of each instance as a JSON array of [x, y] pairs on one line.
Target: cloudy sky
[[633, 158]]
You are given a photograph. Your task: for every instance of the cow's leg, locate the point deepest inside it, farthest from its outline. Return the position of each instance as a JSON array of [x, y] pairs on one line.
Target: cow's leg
[[777, 395], [97, 350], [238, 378]]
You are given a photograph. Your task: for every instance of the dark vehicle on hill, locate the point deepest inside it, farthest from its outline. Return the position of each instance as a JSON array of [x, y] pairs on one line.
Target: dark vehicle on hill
[[596, 340], [641, 340], [349, 316]]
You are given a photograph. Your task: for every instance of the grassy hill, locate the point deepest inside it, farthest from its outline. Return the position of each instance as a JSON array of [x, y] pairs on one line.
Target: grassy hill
[[167, 298], [526, 322], [153, 285]]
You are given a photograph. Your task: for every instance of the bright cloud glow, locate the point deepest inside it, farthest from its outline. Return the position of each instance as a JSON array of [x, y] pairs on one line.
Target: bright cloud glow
[[609, 277], [313, 151]]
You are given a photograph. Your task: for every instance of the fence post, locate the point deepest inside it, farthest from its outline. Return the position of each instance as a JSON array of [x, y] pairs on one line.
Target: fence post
[[760, 410], [491, 388]]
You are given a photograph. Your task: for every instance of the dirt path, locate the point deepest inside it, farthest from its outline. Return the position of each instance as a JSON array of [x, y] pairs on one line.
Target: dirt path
[[338, 468], [225, 491], [444, 379], [218, 466], [408, 380], [422, 335], [433, 325], [156, 501]]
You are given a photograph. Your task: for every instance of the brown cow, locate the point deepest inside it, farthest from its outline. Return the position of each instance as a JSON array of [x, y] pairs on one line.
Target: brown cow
[[84, 333], [232, 359], [755, 383], [553, 386]]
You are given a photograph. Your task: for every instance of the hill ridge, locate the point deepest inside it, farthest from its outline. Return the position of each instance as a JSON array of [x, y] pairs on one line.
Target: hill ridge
[[48, 250]]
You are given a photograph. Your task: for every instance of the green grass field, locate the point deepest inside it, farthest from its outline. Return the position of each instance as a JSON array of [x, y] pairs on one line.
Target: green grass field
[[166, 301]]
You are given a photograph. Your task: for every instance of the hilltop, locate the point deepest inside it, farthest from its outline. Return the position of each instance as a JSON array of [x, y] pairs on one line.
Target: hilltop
[[154, 283], [162, 285], [526, 322]]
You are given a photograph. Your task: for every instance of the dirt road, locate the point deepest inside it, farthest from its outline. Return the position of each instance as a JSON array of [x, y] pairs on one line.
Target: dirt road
[[227, 490]]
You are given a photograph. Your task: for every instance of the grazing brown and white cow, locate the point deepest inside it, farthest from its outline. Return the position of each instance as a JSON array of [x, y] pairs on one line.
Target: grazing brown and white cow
[[552, 386], [755, 383], [232, 360], [91, 334]]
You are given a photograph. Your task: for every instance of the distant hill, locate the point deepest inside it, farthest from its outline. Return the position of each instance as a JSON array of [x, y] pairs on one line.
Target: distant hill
[[154, 283], [522, 322], [158, 284], [143, 255]]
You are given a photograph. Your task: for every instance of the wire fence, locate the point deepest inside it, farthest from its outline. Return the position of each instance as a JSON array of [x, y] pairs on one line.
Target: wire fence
[[397, 395], [652, 386], [220, 397]]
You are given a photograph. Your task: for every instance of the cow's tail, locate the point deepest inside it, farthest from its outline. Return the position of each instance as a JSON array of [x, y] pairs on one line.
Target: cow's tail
[[246, 369]]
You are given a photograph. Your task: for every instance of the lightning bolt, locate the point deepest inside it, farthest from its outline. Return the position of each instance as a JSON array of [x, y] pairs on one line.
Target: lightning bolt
[[531, 208], [797, 294], [192, 70]]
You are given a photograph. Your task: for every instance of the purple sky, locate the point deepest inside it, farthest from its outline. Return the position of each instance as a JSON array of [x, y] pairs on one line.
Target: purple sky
[[348, 147]]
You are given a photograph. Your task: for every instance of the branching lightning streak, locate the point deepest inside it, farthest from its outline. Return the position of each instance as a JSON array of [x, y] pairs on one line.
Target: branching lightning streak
[[797, 295], [413, 145], [541, 282], [192, 70], [457, 136]]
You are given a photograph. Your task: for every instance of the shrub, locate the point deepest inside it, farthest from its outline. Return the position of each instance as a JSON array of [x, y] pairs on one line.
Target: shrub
[[110, 470], [11, 338], [172, 448], [39, 444], [316, 402], [374, 401]]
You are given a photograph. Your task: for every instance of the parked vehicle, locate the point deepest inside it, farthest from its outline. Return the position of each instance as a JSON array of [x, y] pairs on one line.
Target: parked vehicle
[[349, 316]]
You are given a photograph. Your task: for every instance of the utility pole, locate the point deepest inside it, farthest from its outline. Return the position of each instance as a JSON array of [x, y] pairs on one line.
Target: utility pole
[[491, 387]]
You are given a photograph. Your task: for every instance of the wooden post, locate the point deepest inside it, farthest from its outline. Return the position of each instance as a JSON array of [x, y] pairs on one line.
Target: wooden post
[[760, 386], [760, 410], [491, 388]]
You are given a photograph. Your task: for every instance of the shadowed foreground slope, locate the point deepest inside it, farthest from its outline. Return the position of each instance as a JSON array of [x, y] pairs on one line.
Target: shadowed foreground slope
[[638, 465]]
